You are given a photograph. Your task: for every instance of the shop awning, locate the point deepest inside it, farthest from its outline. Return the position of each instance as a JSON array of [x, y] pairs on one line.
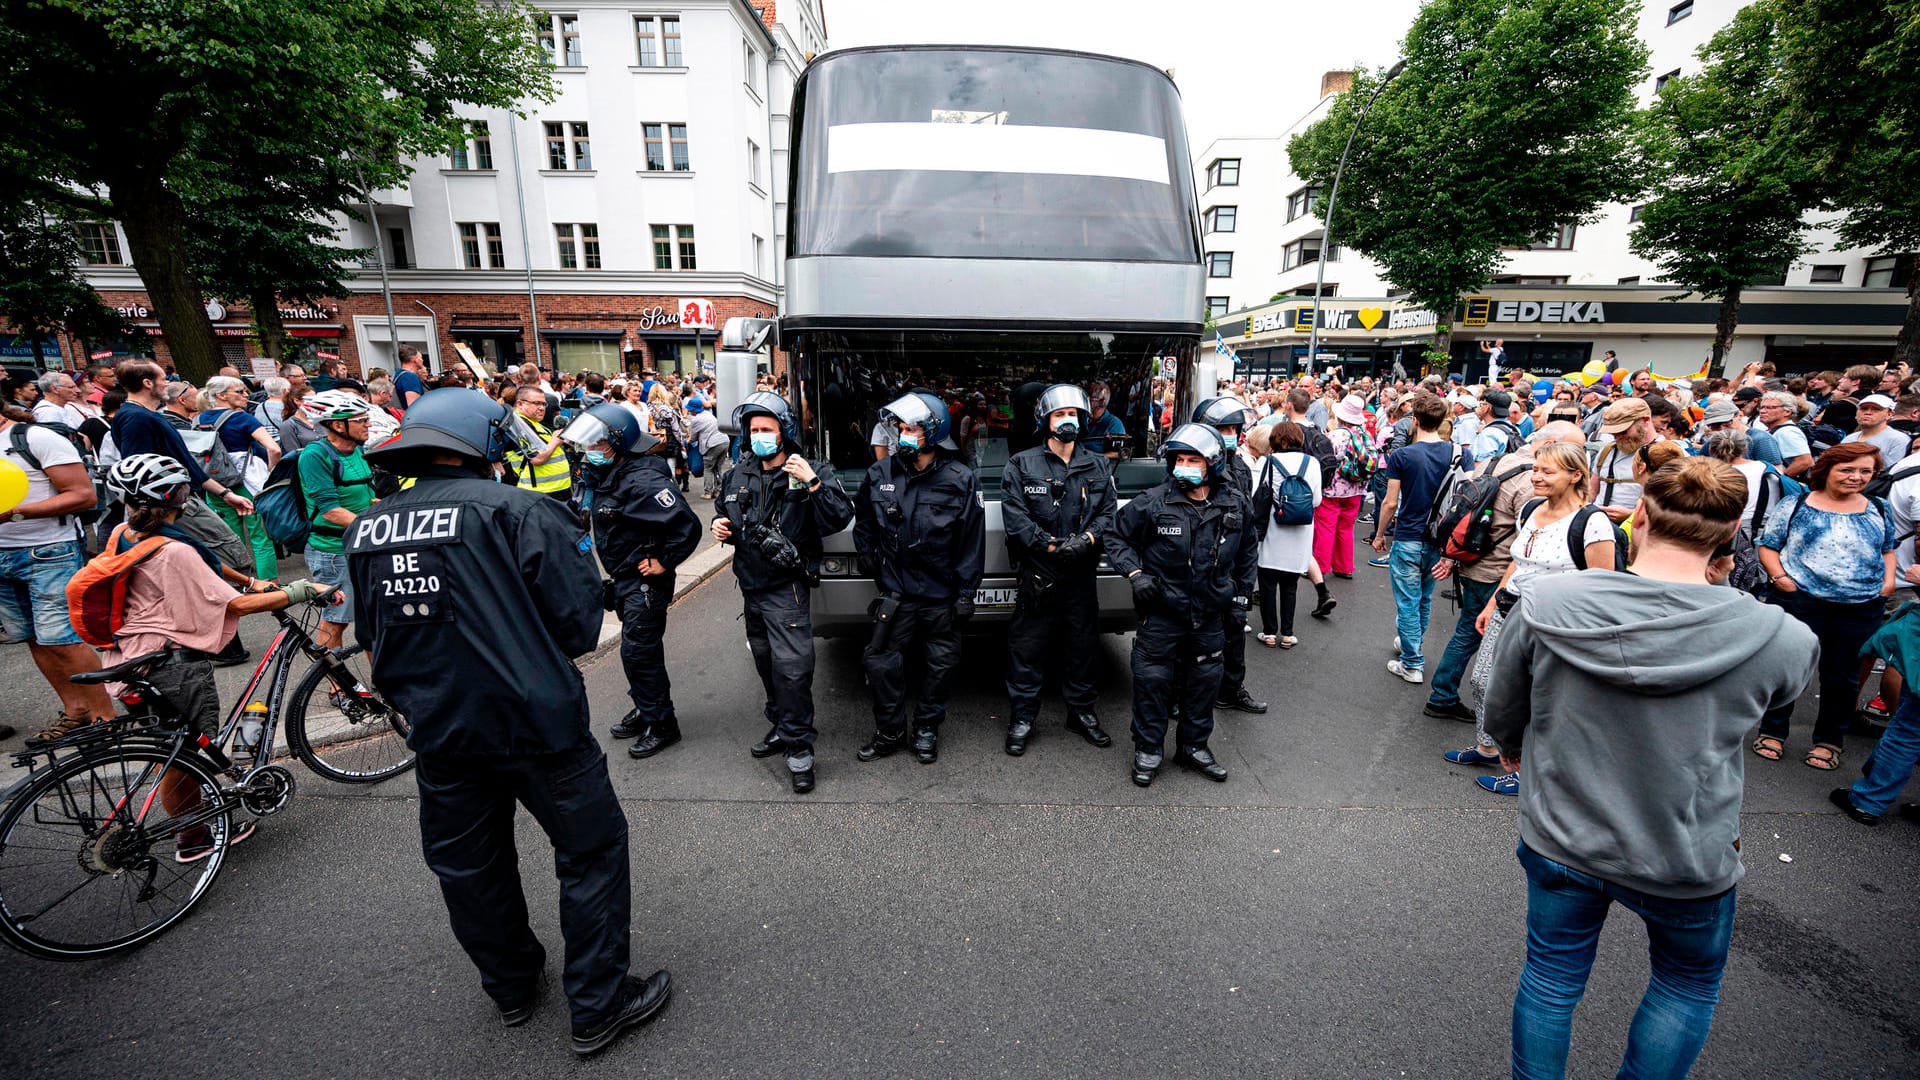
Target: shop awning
[[589, 335], [461, 329]]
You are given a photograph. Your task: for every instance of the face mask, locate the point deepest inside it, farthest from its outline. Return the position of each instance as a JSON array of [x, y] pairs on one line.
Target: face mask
[[765, 444], [1230, 438], [1189, 477], [1067, 430], [909, 444], [599, 457]]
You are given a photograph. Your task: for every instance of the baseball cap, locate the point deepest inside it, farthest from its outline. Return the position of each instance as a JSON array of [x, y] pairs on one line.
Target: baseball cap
[[1623, 414], [1719, 412], [1882, 400], [1747, 393], [1499, 399]]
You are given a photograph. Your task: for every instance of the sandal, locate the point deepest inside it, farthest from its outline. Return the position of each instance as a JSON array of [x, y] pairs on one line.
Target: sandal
[[1823, 756], [1269, 640], [1768, 748]]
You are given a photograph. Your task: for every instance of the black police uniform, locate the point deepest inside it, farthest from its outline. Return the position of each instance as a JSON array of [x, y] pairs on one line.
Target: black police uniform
[[778, 598], [639, 513], [1045, 500], [472, 596], [922, 536], [1233, 635], [1203, 555]]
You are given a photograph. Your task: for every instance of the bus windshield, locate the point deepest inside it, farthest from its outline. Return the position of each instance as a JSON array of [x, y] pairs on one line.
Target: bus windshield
[[990, 153], [990, 382]]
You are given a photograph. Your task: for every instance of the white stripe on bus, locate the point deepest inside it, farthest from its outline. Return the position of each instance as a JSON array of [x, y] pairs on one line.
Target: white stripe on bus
[[1001, 148]]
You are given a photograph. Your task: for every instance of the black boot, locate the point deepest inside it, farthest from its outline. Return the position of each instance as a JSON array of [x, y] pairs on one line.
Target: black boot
[[232, 654], [1201, 760], [926, 746], [657, 738], [1087, 726], [1145, 767], [768, 746], [1242, 701], [629, 726], [880, 746], [1327, 602], [1018, 733], [800, 771]]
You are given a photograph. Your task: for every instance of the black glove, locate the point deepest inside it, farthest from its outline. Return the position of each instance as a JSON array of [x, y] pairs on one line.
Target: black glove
[[1146, 589], [1073, 547], [1236, 618], [963, 608]]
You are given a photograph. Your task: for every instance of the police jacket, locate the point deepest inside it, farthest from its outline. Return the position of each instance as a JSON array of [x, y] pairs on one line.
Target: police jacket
[[639, 513], [755, 495], [1044, 499], [1239, 473], [472, 596], [1203, 553], [922, 536]]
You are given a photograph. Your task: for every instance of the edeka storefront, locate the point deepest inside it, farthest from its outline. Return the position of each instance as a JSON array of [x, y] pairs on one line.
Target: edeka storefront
[[1553, 330]]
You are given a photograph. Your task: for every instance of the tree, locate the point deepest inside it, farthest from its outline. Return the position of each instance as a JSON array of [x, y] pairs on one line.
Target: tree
[[40, 292], [1853, 110], [1512, 119], [113, 100], [1733, 196]]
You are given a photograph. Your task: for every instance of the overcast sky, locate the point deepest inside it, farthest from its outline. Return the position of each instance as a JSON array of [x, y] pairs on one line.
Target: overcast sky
[[1245, 67]]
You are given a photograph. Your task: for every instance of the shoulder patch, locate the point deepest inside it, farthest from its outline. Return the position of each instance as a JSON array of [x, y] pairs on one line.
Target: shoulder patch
[[664, 497]]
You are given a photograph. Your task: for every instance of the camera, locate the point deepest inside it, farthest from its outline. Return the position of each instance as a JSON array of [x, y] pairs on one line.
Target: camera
[[773, 546]]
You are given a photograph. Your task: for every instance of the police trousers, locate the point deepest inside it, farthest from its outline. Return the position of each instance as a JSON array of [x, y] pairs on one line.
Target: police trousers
[[1174, 660], [780, 634], [642, 604], [1055, 629], [466, 830], [925, 636]]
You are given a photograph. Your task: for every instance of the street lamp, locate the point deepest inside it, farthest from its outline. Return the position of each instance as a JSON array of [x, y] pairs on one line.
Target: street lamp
[[1326, 214]]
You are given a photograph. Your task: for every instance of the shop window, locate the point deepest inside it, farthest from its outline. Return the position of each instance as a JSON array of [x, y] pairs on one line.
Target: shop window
[[481, 247], [586, 355], [1888, 272], [1223, 218], [99, 244], [559, 37], [568, 146], [1224, 172], [1304, 201], [579, 246], [1220, 264], [1679, 11], [1216, 306], [1828, 275]]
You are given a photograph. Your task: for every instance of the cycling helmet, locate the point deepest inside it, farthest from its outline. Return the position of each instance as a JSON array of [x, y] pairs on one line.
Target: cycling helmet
[[768, 403], [613, 424], [1062, 396], [452, 419], [150, 480], [335, 405], [923, 409], [1195, 439], [1222, 412]]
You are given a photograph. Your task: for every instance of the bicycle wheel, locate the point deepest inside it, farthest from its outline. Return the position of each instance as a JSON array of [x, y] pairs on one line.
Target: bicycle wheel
[[88, 851], [342, 728]]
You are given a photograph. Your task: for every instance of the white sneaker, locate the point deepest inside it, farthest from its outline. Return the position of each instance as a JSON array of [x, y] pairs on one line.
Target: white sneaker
[[1396, 644], [1412, 675]]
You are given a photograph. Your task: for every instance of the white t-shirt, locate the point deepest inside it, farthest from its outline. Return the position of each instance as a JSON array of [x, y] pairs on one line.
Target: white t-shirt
[[1789, 438], [1904, 501], [1753, 471], [1609, 463], [52, 450], [46, 412], [1543, 549]]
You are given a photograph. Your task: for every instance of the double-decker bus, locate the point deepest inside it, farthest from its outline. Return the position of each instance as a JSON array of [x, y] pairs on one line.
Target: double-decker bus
[[982, 222]]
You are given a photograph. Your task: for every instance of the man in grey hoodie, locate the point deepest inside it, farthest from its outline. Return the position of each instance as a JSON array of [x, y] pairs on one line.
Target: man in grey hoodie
[[1624, 701]]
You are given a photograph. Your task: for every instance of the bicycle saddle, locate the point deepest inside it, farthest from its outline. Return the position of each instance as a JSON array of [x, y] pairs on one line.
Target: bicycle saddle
[[126, 669]]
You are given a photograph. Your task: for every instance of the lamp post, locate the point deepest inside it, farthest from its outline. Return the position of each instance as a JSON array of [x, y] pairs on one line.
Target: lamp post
[[1326, 216]]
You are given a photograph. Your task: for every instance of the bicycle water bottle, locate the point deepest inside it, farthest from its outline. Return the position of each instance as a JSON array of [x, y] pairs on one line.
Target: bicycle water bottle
[[252, 722]]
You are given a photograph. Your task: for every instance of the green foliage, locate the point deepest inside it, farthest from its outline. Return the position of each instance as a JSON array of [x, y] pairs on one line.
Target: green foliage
[[40, 289], [1512, 118]]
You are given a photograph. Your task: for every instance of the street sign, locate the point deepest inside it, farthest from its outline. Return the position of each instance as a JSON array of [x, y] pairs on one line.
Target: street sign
[[696, 314], [1326, 356]]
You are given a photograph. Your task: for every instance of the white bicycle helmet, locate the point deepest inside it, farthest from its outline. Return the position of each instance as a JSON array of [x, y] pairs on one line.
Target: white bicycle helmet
[[152, 480], [335, 405]]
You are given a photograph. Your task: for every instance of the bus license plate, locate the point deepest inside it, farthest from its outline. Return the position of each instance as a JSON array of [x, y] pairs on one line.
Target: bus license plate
[[995, 598]]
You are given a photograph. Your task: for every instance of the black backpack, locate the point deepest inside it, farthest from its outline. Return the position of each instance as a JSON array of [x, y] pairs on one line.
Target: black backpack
[[1577, 528], [18, 441], [1441, 517], [1881, 486], [1514, 438], [1748, 575], [1470, 538]]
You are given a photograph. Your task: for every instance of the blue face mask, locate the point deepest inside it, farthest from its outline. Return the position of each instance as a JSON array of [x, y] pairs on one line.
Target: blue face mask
[[909, 444], [765, 444], [1230, 438], [599, 457], [1067, 430], [1189, 477]]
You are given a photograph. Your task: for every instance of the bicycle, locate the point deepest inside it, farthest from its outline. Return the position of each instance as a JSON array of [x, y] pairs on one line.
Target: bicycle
[[91, 841]]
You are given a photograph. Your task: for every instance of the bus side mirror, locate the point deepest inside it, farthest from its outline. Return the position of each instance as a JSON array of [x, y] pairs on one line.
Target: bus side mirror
[[745, 334], [735, 374]]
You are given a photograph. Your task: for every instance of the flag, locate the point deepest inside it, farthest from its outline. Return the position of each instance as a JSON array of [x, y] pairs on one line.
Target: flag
[[1219, 344]]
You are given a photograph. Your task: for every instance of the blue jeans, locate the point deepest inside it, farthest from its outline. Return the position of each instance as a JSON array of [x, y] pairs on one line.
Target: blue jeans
[[1460, 647], [1410, 565], [1891, 765], [1687, 945], [33, 592]]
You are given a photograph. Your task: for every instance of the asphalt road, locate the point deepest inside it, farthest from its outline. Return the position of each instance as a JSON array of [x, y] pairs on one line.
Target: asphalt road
[[1347, 905]]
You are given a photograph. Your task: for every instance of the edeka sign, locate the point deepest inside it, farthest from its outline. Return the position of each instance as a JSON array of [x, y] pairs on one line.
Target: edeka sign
[[1480, 310]]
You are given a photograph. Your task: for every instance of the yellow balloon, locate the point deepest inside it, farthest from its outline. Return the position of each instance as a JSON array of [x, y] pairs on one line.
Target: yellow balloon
[[1593, 372], [13, 485]]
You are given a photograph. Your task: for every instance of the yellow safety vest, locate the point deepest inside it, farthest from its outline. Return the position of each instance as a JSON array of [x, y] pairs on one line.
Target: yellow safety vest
[[555, 475]]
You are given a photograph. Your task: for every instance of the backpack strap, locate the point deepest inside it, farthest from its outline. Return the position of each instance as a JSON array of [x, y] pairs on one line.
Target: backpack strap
[[1770, 492], [18, 437], [1577, 535]]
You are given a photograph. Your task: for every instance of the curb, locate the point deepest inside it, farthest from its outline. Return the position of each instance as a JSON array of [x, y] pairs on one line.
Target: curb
[[691, 575]]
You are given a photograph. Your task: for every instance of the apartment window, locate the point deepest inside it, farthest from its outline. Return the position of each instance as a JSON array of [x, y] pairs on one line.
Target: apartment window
[[684, 233], [476, 150], [760, 256], [99, 244], [579, 246], [397, 248], [1629, 281], [753, 162], [568, 146], [662, 247], [481, 246], [1679, 11], [750, 65], [666, 142], [1216, 306], [1220, 264], [560, 36], [1828, 275], [677, 143], [1304, 201], [1306, 252], [1888, 272], [1660, 83], [1224, 172], [1634, 214], [1560, 239], [1222, 218]]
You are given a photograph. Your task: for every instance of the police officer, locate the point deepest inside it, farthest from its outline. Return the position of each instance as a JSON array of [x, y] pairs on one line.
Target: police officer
[[1229, 418], [1188, 548], [644, 529], [472, 597], [1057, 502], [920, 530], [774, 510]]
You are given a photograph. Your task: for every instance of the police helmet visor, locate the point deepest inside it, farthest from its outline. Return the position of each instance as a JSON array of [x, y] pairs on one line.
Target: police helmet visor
[[587, 430], [1193, 438], [911, 410], [1223, 412], [1064, 396], [520, 435]]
